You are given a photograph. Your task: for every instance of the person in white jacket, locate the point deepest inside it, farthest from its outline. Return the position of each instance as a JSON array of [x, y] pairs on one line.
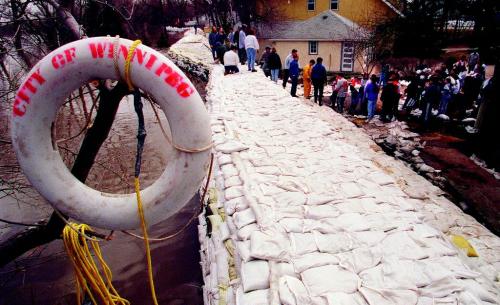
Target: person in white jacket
[[231, 60], [252, 47]]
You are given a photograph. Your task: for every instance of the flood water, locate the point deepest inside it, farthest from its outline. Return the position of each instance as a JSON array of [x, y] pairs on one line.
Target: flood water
[[45, 276]]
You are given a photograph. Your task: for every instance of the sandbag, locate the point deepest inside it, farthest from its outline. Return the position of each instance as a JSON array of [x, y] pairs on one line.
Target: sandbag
[[255, 275]]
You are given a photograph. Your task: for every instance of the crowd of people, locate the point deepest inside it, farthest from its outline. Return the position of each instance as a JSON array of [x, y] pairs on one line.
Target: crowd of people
[[241, 42], [449, 90]]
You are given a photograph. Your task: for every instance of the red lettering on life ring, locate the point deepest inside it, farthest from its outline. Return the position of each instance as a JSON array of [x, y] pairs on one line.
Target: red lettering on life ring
[[22, 98]]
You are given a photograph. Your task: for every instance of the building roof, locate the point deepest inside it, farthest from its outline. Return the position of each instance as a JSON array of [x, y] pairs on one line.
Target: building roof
[[389, 4], [327, 25]]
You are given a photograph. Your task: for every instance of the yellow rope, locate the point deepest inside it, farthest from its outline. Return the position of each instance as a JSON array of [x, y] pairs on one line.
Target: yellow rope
[[138, 186], [130, 54], [146, 240], [88, 277]]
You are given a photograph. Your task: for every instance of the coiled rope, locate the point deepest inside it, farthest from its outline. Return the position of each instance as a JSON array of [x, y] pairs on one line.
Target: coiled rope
[[89, 280]]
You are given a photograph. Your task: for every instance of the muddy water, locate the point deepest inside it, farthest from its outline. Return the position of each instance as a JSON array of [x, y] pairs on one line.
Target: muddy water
[[45, 276]]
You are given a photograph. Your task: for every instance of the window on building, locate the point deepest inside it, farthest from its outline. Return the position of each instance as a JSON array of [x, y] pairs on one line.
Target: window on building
[[347, 62], [311, 5], [313, 47], [334, 4]]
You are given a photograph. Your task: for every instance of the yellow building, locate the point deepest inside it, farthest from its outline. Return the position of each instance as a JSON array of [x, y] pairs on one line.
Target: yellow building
[[322, 28], [362, 12]]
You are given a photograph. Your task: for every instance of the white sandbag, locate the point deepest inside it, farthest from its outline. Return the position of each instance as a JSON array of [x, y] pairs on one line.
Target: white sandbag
[[319, 301], [441, 288], [351, 190], [245, 232], [255, 275], [478, 291], [289, 212], [456, 266], [202, 233], [243, 248], [201, 219], [224, 159], [222, 266], [285, 294], [230, 296], [292, 184], [466, 298], [350, 222], [224, 231], [273, 246], [350, 206], [268, 170], [317, 199], [380, 178], [435, 246], [232, 181], [324, 226], [283, 269], [229, 171], [333, 243], [399, 274], [257, 297], [314, 259], [326, 279], [243, 218], [257, 162], [389, 297], [360, 259], [340, 298], [233, 192], [302, 243], [290, 199], [380, 222], [294, 225], [231, 146], [368, 238], [269, 189], [293, 292], [401, 245], [235, 205], [322, 211], [452, 300], [424, 231], [212, 282], [206, 299], [230, 224]]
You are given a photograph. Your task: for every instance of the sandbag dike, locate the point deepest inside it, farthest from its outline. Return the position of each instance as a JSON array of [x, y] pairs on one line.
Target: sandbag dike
[[304, 208]]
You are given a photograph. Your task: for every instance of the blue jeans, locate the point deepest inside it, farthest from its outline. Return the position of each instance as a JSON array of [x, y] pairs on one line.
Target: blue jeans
[[371, 108], [274, 74], [251, 53], [295, 81], [340, 103], [443, 105]]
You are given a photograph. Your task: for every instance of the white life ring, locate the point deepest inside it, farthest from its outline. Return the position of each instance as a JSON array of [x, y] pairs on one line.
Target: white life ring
[[67, 68]]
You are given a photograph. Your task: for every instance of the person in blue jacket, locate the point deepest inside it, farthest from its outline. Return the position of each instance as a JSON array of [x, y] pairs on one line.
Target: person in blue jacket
[[371, 95], [212, 40], [318, 78], [294, 74]]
